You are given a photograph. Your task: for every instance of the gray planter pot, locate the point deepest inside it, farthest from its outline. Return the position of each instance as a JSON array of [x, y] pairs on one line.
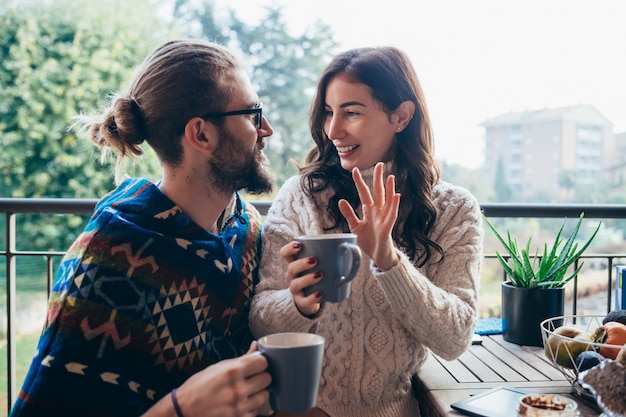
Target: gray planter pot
[[523, 310]]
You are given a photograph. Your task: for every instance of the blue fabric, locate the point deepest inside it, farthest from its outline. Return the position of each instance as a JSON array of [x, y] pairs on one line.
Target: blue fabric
[[492, 325], [143, 299]]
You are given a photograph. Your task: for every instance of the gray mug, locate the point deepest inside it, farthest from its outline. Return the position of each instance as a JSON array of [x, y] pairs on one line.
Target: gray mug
[[338, 258], [295, 364]]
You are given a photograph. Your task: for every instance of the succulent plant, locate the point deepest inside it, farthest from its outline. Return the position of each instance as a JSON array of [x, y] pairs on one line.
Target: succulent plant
[[548, 270]]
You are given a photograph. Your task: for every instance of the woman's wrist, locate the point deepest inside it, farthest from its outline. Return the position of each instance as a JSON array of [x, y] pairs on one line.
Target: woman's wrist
[[389, 260], [316, 309]]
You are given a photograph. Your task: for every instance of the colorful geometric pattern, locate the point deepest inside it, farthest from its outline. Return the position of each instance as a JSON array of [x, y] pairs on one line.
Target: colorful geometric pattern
[[143, 299], [173, 307]]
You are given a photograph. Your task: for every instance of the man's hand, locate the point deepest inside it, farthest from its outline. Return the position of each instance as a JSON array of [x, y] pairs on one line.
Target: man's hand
[[230, 388]]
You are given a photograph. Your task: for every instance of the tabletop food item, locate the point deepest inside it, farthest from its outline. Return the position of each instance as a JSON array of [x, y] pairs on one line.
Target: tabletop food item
[[567, 342], [588, 359], [546, 405], [565, 349], [615, 334], [615, 315], [607, 382]]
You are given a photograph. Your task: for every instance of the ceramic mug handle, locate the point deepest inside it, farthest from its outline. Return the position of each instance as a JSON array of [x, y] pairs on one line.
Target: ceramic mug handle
[[349, 259]]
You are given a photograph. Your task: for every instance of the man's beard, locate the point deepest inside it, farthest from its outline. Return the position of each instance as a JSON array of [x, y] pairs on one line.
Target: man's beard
[[233, 170]]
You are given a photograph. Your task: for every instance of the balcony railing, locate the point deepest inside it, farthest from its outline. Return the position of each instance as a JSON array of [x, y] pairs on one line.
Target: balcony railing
[[11, 207]]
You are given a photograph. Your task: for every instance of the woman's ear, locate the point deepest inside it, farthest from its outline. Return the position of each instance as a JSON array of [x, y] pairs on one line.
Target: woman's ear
[[404, 114], [201, 135]]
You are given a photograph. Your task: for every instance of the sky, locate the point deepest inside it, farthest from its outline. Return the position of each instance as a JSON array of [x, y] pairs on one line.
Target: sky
[[477, 59]]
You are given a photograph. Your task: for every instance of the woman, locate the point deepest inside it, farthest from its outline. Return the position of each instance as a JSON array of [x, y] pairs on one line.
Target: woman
[[417, 287]]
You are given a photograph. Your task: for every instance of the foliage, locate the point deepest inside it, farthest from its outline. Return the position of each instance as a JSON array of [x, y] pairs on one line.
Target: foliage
[[65, 57], [58, 59], [471, 179], [287, 69], [26, 345], [501, 186], [548, 270], [284, 70]]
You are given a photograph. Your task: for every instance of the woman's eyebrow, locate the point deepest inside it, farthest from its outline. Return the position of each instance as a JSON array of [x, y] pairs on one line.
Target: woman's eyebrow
[[346, 104], [349, 103]]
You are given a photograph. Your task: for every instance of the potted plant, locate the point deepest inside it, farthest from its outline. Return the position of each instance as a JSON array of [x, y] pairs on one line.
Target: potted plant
[[535, 286]]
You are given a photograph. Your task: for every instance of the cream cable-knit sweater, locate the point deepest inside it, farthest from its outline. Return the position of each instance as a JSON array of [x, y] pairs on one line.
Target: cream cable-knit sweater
[[379, 336]]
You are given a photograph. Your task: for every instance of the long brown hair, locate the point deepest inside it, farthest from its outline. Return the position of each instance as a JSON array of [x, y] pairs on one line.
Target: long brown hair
[[389, 74], [177, 81]]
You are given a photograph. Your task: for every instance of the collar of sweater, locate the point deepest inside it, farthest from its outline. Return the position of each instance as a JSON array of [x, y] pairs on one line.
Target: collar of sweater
[[368, 174]]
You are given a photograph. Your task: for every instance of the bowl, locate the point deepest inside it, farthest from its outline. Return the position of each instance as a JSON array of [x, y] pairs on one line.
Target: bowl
[[563, 343]]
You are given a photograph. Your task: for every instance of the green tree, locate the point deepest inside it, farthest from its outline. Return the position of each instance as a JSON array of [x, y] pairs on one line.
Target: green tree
[[501, 186], [57, 59], [567, 181], [65, 57], [285, 69], [467, 178]]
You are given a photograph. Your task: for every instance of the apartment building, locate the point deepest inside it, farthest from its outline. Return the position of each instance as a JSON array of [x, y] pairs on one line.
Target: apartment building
[[617, 172], [549, 151]]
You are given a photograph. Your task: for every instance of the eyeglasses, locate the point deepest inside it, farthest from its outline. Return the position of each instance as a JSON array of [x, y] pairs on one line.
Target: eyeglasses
[[257, 111]]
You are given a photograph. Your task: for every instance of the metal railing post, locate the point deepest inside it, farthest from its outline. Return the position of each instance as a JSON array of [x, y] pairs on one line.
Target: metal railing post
[[609, 285], [49, 273], [11, 310]]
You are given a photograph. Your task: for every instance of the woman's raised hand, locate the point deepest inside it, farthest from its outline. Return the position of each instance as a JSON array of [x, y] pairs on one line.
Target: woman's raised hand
[[380, 212]]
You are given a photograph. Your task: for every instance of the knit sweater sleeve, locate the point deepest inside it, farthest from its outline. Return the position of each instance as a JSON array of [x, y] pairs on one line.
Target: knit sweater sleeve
[[273, 308], [438, 303]]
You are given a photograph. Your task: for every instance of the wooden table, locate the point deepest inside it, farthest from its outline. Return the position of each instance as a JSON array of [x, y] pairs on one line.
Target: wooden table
[[494, 363]]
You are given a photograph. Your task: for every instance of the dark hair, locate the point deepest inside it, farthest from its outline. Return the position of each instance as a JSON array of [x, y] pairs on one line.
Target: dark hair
[[392, 80], [177, 81]]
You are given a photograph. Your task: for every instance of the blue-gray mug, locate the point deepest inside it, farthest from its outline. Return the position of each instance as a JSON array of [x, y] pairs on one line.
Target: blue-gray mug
[[338, 258], [294, 360]]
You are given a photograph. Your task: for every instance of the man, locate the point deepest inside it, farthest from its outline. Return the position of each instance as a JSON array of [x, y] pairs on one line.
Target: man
[[149, 310]]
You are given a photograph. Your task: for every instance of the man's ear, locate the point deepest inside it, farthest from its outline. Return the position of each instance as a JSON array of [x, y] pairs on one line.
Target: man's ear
[[201, 135], [404, 113]]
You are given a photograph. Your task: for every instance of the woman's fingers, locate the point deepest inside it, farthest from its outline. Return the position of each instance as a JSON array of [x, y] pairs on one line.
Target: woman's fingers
[[379, 188], [379, 195], [379, 207], [298, 278], [290, 251], [348, 212], [392, 202], [298, 266], [364, 192], [390, 188], [307, 304], [299, 283]]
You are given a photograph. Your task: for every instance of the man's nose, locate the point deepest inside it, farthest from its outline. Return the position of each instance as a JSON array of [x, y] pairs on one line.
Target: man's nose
[[266, 128]]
